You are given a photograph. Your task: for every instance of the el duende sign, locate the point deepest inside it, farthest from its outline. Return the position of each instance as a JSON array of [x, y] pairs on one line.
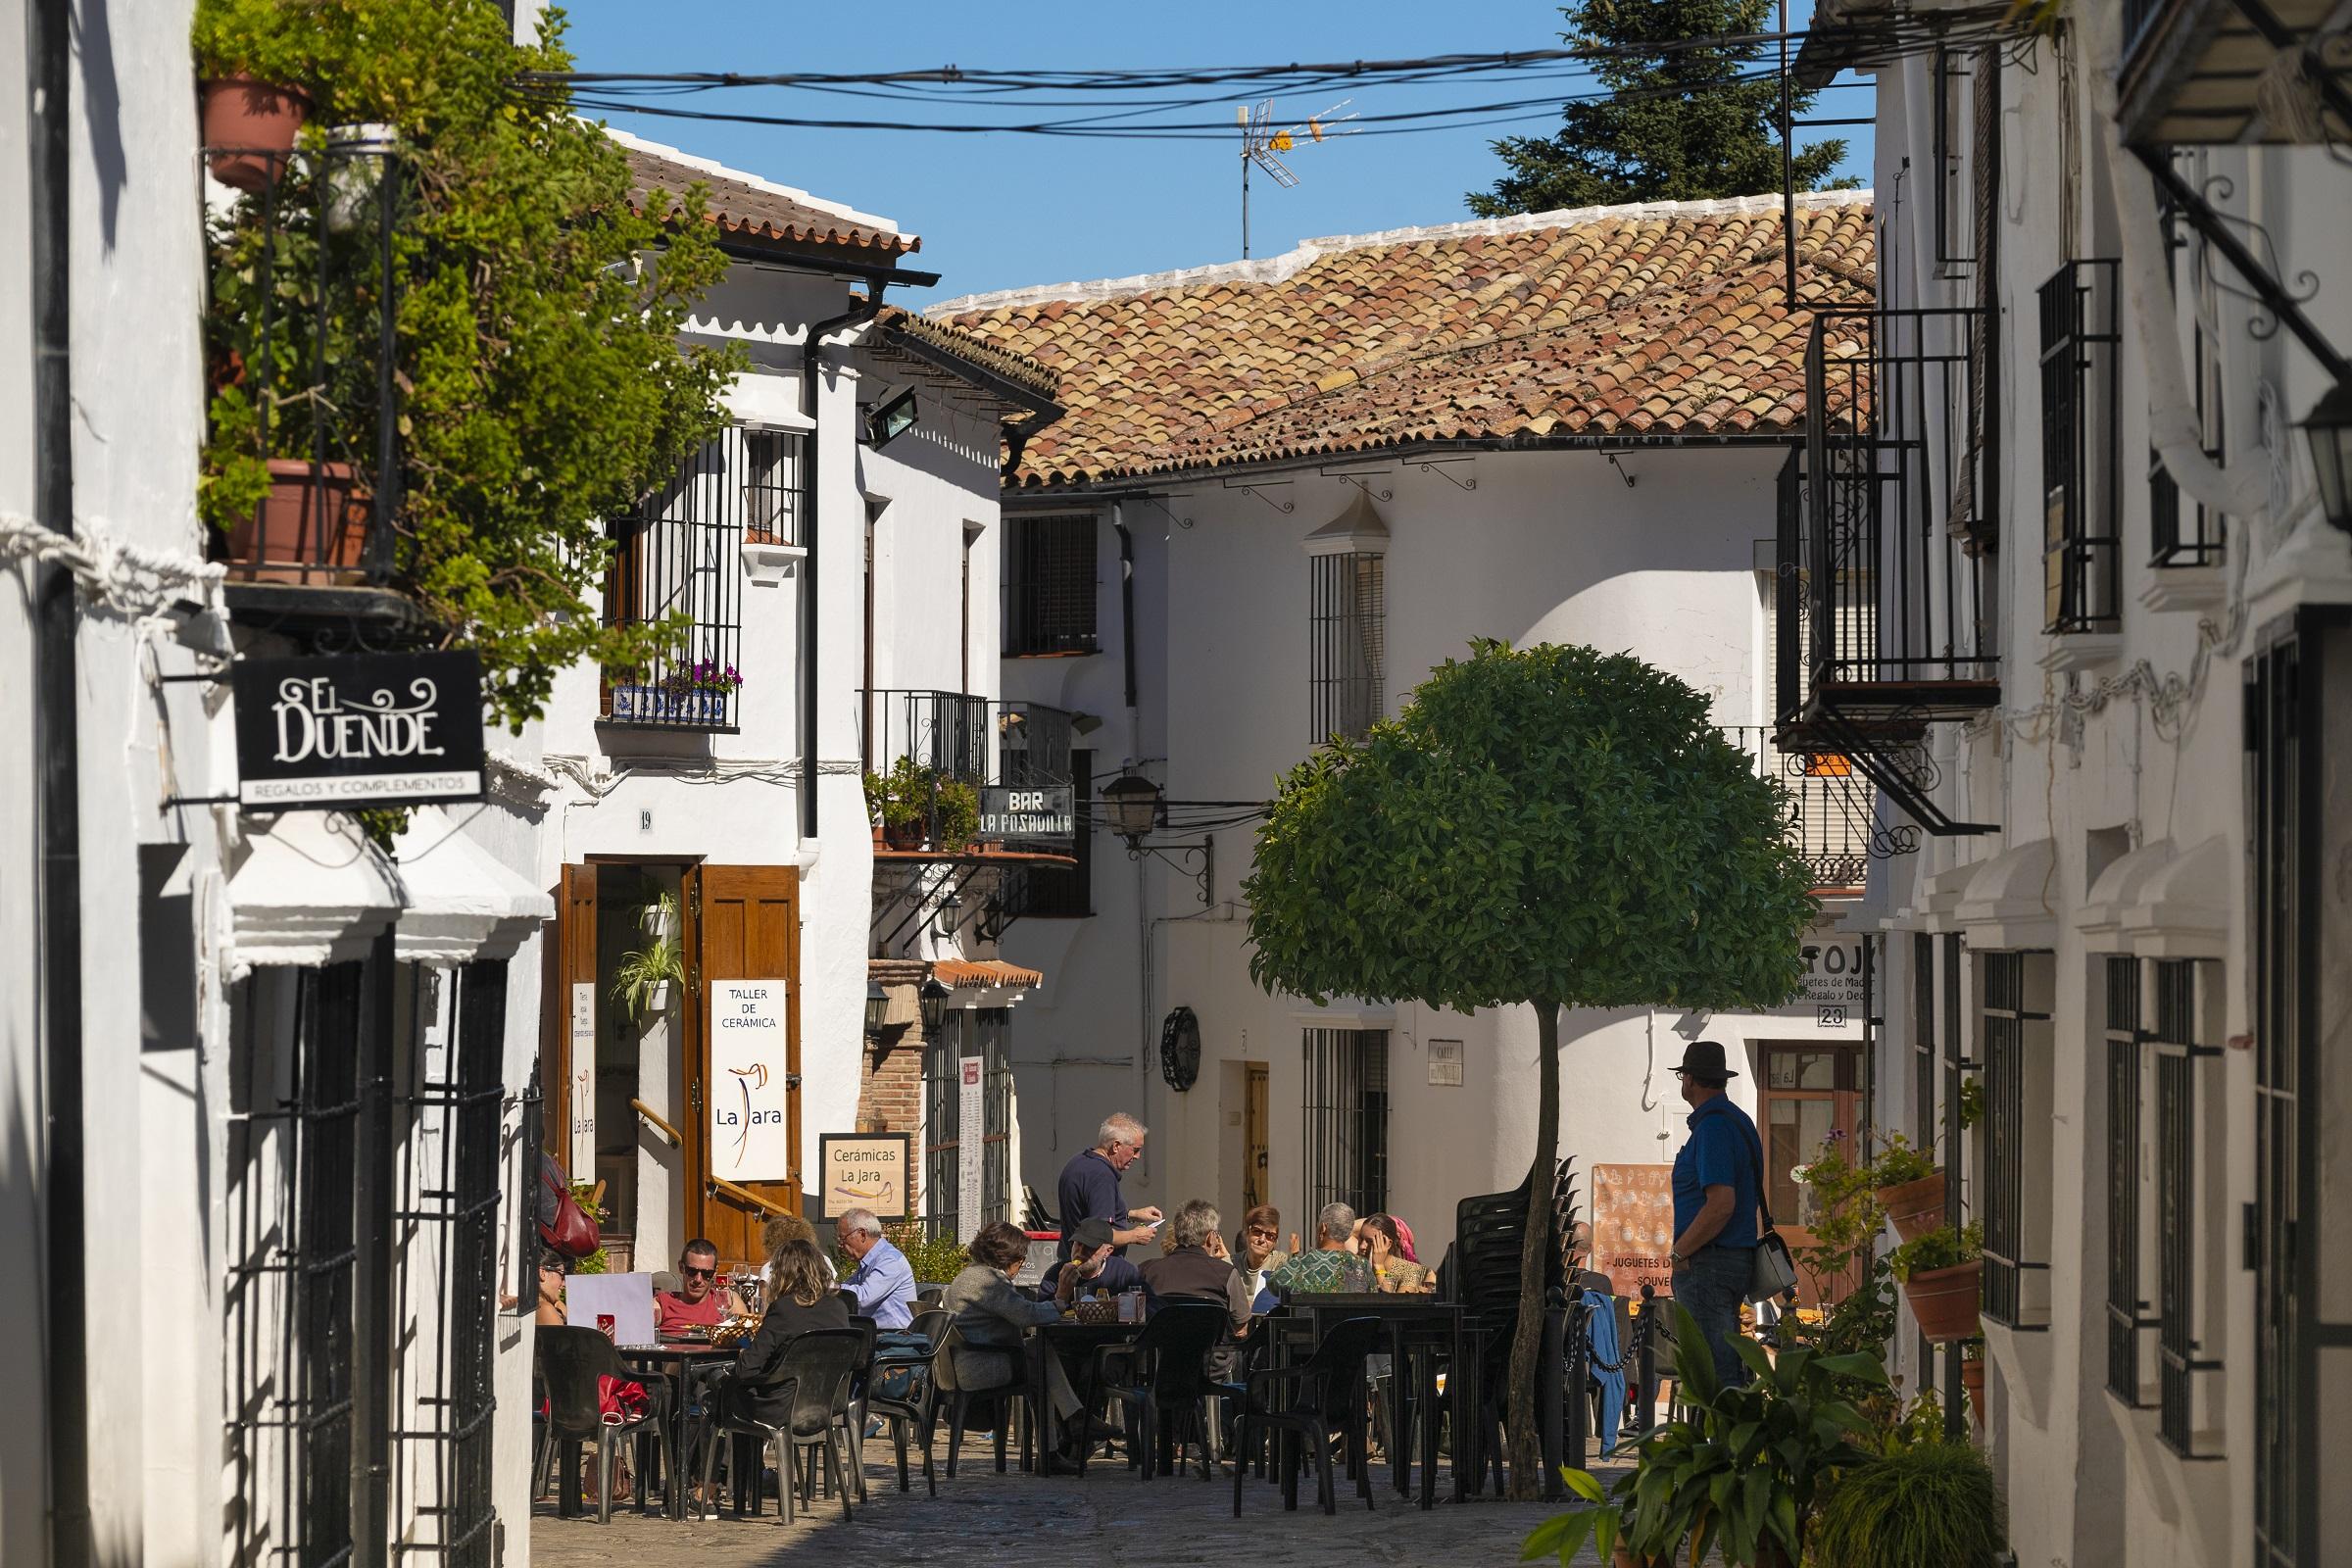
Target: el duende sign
[[359, 729], [751, 1131]]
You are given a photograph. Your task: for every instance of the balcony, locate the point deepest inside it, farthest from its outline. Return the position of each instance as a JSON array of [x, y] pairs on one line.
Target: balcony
[[2192, 70], [976, 780], [300, 344], [1887, 518], [1834, 822]]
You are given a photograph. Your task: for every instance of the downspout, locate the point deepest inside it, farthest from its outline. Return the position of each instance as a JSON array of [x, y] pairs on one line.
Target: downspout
[[857, 314], [55, 746], [1118, 520]]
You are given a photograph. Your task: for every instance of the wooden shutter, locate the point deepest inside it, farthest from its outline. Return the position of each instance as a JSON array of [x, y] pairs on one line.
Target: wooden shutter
[[572, 962], [742, 922]]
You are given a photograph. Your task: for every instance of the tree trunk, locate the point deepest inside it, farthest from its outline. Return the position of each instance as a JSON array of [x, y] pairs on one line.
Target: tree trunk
[[1527, 1344]]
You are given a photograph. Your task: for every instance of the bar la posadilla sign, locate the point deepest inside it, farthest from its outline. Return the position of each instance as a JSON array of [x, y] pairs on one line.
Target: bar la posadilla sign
[[358, 729], [1045, 817]]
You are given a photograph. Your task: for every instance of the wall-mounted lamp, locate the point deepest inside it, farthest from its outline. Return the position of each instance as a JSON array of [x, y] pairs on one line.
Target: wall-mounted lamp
[[877, 1010], [2328, 428], [947, 917], [932, 1000], [1131, 807], [890, 419]]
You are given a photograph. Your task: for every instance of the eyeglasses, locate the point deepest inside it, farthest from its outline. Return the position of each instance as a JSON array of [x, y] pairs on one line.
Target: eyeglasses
[[1262, 1235], [700, 1273]]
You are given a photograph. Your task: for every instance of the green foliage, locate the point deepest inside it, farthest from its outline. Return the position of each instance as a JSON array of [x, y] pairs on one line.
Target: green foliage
[[660, 961], [1972, 1100], [905, 795], [1741, 1472], [1550, 823], [935, 1259], [542, 383], [1928, 1504], [958, 814], [1898, 1162], [1565, 1535], [1683, 126], [1944, 1247]]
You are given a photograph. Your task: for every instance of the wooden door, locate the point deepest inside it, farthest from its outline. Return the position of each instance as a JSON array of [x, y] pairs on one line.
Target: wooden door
[[1256, 1184], [740, 922], [1808, 1092], [571, 964]]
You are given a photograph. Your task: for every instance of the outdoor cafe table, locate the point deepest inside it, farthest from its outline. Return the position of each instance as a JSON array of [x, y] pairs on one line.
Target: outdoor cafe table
[[1418, 1330], [1073, 1341], [675, 1361]]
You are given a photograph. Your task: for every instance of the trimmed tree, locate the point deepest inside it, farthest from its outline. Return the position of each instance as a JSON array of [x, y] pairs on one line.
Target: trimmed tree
[[1686, 120], [1551, 826]]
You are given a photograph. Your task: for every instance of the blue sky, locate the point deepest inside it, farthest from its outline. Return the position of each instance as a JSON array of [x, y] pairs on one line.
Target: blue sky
[[999, 211]]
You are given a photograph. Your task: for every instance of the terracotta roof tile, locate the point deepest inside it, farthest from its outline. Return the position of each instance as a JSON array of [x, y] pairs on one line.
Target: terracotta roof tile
[[1606, 320], [744, 209]]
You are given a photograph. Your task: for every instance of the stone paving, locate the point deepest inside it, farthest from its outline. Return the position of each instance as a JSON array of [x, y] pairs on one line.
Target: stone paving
[[1109, 1520]]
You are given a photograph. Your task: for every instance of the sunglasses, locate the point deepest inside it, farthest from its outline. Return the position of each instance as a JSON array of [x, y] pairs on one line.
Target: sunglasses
[[1268, 1235], [700, 1273]]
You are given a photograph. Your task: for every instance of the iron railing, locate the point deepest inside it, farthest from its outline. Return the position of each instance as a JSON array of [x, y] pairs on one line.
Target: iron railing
[[303, 353], [2127, 1320], [2082, 471], [1833, 820], [950, 744]]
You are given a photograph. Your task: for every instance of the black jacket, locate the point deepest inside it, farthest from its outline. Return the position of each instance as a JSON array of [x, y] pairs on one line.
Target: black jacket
[[760, 1356]]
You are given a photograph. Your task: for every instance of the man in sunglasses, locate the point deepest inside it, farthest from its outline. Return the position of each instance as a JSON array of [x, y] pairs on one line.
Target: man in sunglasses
[[698, 1298]]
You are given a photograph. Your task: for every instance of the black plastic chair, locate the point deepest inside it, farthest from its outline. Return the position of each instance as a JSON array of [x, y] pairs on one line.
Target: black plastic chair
[[1170, 1387], [571, 1360], [815, 1372], [948, 1386], [1327, 1399], [918, 1409]]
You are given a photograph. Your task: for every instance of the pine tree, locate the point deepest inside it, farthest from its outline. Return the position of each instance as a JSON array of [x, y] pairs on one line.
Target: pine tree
[[1684, 123]]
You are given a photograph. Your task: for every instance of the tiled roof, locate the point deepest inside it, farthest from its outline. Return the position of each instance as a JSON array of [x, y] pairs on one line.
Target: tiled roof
[[957, 343], [981, 973], [1608, 322], [744, 206]]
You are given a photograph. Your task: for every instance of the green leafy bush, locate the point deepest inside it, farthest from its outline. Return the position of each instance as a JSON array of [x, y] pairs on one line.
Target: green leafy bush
[[1944, 1247], [1898, 1162], [935, 1259], [1930, 1504]]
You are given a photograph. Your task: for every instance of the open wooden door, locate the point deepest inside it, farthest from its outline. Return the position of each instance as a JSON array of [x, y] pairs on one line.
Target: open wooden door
[[741, 1024], [570, 1012]]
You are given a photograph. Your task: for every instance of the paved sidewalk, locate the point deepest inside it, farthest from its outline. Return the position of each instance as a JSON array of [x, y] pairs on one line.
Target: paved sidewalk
[[1110, 1520]]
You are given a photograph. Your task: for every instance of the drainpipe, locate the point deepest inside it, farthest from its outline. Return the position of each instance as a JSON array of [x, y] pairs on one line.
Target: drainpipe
[[857, 314], [1118, 520], [56, 743]]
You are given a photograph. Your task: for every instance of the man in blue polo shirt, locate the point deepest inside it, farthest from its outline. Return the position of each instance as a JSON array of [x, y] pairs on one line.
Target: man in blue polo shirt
[[1715, 1207], [1090, 1186]]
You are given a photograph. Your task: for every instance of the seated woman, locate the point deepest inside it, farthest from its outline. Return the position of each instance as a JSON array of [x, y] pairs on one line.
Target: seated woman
[[800, 1298], [992, 1316], [1255, 1255], [1397, 1273]]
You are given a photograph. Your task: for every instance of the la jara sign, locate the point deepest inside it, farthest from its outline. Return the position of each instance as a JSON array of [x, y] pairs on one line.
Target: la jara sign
[[358, 729], [751, 1105]]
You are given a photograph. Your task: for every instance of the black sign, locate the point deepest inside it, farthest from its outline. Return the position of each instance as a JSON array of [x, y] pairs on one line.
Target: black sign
[[1044, 817], [362, 729]]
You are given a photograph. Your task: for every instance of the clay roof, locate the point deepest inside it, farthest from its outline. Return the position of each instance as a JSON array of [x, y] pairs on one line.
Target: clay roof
[[746, 206], [1608, 323], [967, 347], [981, 973]]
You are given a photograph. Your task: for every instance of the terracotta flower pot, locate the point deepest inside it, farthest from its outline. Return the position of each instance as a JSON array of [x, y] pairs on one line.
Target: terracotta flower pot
[[1914, 1208], [1972, 1378], [879, 840], [310, 528], [251, 126], [904, 835], [1947, 1302]]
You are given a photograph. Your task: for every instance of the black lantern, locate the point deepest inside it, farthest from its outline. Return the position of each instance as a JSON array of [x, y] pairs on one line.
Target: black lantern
[[1131, 805], [2328, 427], [933, 1001], [1180, 1049], [877, 1009]]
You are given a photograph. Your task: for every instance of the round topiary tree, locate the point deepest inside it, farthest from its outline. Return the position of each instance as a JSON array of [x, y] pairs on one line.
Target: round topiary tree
[[1551, 826]]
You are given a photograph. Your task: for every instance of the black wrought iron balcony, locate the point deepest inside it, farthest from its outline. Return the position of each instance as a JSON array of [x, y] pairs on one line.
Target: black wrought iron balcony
[[2082, 468], [1834, 820], [2193, 71], [956, 775], [303, 459]]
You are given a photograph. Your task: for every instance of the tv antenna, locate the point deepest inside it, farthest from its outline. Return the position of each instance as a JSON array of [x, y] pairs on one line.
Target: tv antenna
[[1260, 141]]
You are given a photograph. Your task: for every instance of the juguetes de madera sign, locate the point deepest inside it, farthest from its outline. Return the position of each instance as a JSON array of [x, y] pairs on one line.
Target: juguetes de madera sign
[[359, 729]]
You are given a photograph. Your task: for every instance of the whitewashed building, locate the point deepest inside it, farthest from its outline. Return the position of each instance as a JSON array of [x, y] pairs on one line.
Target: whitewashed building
[[1284, 490], [2090, 632]]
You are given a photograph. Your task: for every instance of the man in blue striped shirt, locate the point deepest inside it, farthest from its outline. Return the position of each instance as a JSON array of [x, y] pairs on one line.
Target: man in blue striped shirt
[[883, 1280]]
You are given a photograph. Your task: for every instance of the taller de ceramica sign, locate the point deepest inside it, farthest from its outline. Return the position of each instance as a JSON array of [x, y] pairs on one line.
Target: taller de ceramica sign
[[358, 729]]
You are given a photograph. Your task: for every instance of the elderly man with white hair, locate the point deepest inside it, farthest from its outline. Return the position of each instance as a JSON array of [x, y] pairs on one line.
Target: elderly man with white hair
[[1090, 1186], [883, 1280], [1333, 1268]]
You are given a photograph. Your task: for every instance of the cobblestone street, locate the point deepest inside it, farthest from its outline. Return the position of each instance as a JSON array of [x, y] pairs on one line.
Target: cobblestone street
[[1110, 1520]]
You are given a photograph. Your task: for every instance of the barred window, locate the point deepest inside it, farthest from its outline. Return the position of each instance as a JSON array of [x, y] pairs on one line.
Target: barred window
[[1050, 584], [1347, 1119], [2126, 1302], [2182, 1038], [2017, 1049], [984, 1033], [1348, 656], [2080, 494], [679, 554], [772, 486]]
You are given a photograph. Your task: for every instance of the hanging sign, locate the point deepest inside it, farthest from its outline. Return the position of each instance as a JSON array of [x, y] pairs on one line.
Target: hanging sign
[[750, 1133], [358, 729], [971, 1122], [582, 1098], [1041, 818], [861, 1170]]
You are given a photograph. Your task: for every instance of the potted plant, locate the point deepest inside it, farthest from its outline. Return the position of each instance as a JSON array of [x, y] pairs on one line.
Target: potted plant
[[250, 65], [907, 792], [1926, 1504], [1972, 1378], [958, 814], [1943, 1278], [698, 693], [1909, 1187], [642, 979]]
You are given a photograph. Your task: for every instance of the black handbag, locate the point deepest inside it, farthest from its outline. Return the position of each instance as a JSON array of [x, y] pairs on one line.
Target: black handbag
[[1773, 1271]]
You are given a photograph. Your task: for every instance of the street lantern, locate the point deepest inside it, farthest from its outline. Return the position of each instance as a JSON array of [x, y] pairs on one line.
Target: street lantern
[[877, 1009], [2328, 427], [1131, 805], [933, 1001]]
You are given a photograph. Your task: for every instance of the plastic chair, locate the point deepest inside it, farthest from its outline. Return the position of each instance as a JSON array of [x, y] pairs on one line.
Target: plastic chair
[[815, 1371], [571, 1360], [946, 1385], [917, 1409], [1327, 1397], [1170, 1384]]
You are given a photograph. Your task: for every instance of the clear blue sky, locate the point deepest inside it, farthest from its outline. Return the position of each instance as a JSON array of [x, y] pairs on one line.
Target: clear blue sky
[[999, 211]]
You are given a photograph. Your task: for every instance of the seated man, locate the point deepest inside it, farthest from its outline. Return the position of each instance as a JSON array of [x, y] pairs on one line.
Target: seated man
[[1198, 1269], [883, 1281], [1333, 1268], [698, 1301], [1095, 1264]]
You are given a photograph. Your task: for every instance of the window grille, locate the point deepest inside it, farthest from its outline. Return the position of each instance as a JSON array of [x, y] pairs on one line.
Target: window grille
[[986, 1033], [1349, 652], [771, 482], [1347, 1119], [1050, 597], [2079, 466], [1954, 101], [678, 555], [2010, 1028], [2127, 1306]]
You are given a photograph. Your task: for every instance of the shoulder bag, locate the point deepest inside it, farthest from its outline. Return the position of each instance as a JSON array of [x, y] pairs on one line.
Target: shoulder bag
[[1773, 1272]]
